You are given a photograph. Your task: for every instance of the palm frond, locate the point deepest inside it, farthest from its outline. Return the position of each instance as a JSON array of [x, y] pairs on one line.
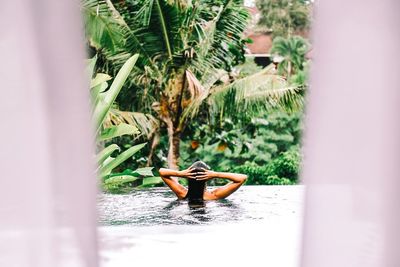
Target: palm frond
[[263, 90], [143, 15], [153, 30], [103, 28], [146, 123], [192, 109], [219, 35], [230, 26], [194, 85], [163, 24]]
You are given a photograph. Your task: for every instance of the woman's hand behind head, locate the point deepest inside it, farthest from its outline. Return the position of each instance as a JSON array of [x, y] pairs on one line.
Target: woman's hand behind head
[[189, 173], [205, 174]]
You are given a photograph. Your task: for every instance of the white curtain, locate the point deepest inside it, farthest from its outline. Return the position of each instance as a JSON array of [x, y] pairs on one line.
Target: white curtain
[[47, 184], [352, 139]]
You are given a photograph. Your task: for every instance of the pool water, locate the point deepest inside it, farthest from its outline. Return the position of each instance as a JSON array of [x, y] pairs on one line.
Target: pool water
[[146, 227]]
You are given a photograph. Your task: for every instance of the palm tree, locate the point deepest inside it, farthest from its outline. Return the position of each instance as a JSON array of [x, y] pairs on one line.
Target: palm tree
[[187, 50], [292, 50]]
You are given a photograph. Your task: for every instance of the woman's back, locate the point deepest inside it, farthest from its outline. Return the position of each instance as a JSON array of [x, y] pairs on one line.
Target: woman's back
[[198, 174]]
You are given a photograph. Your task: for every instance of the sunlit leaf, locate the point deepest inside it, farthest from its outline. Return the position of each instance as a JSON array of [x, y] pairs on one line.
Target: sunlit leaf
[[107, 168], [99, 79], [119, 180], [115, 131], [103, 105], [105, 153], [146, 171]]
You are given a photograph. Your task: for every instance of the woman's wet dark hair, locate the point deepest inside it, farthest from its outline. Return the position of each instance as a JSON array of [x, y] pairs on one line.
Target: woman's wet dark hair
[[196, 188], [199, 165]]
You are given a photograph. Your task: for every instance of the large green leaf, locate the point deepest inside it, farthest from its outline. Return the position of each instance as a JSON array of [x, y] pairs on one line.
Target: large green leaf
[[164, 30], [146, 123], [99, 79], [105, 153], [117, 184], [98, 85], [107, 168], [91, 63], [103, 28], [95, 92], [120, 179], [146, 171], [118, 130], [105, 102]]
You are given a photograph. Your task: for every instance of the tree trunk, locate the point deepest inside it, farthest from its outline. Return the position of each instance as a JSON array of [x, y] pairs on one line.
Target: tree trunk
[[174, 138], [154, 143]]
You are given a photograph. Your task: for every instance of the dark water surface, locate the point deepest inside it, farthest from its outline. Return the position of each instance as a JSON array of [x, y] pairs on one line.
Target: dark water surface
[[158, 206]]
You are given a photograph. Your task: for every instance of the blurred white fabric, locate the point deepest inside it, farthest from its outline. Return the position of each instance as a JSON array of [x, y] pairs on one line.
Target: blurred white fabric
[[47, 185], [352, 137]]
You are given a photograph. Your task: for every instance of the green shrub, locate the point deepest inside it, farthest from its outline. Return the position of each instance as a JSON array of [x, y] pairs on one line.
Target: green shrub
[[256, 175], [275, 180], [283, 170], [287, 165]]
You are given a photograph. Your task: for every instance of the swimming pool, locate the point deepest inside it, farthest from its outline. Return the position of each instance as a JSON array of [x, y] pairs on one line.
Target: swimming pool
[[260, 224]]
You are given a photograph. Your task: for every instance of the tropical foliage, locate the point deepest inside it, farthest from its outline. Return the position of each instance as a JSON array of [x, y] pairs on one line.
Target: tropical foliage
[[102, 100], [187, 54], [248, 146], [188, 91], [102, 25], [285, 17]]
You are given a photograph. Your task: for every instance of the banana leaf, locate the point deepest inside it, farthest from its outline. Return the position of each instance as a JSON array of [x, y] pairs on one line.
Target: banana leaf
[[109, 166], [99, 79], [105, 153], [90, 67], [120, 179], [118, 130], [106, 99], [146, 171], [95, 92]]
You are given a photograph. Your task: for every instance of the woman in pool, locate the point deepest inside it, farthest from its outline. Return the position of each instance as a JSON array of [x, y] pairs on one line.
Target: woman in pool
[[198, 174]]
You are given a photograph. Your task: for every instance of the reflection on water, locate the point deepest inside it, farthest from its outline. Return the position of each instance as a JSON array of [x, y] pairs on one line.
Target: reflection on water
[[158, 206]]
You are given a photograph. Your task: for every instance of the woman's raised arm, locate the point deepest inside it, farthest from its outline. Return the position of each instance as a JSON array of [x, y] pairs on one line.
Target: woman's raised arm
[[169, 177], [224, 191]]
